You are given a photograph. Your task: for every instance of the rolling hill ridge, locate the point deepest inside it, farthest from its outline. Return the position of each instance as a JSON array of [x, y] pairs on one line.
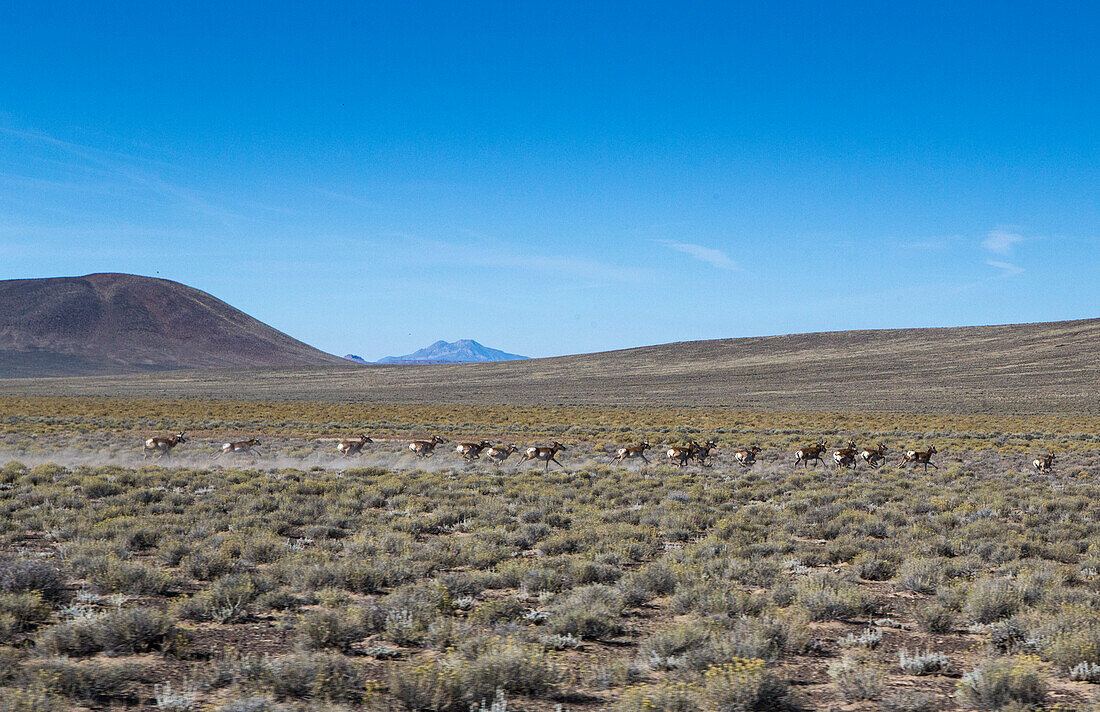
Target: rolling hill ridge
[[1043, 368]]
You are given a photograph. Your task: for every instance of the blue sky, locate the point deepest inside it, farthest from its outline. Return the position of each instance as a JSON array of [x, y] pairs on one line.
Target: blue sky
[[562, 177]]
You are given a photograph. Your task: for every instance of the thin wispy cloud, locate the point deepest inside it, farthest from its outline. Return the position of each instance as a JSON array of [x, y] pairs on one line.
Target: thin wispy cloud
[[711, 256], [106, 171], [1008, 267], [1001, 241], [482, 252], [938, 242]]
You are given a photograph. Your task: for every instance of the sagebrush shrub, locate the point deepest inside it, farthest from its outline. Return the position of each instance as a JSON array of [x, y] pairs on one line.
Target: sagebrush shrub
[[926, 663], [473, 674], [323, 676], [920, 576], [825, 597], [669, 697], [590, 612], [91, 682], [768, 637], [874, 568], [998, 683], [680, 647], [25, 576], [869, 638], [642, 586], [322, 629], [120, 632], [910, 701], [25, 610], [136, 579], [935, 618], [744, 685], [1085, 672], [991, 600], [857, 679]]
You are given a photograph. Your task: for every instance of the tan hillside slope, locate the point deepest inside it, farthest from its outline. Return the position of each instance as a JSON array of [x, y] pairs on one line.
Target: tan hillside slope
[[1018, 369]]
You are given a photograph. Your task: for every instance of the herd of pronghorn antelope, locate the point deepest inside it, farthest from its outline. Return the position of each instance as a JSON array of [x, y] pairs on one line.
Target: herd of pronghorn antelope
[[847, 456]]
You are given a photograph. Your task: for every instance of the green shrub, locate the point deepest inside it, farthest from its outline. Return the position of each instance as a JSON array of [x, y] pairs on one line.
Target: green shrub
[[229, 598], [133, 578], [910, 701], [642, 586], [857, 679], [206, 565], [124, 631], [934, 618], [35, 699], [920, 576], [996, 684], [302, 676], [90, 682], [669, 697], [321, 629], [502, 610], [133, 630], [768, 637], [473, 674], [1066, 648], [24, 576], [281, 600], [825, 597], [688, 646], [873, 568], [991, 600], [744, 685], [590, 612], [25, 610]]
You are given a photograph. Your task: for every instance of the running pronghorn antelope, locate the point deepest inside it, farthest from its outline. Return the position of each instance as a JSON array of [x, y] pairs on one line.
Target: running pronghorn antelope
[[424, 448], [1044, 463], [845, 457], [747, 458], [702, 452], [546, 454], [921, 458], [810, 452], [680, 454], [352, 447], [874, 458], [500, 453], [471, 451], [162, 445], [630, 452], [242, 446]]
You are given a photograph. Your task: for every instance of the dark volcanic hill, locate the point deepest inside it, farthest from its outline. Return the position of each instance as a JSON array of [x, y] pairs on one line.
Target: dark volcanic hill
[[123, 323]]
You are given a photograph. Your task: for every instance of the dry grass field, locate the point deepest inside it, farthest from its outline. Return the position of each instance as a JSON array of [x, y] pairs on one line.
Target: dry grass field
[[299, 580]]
